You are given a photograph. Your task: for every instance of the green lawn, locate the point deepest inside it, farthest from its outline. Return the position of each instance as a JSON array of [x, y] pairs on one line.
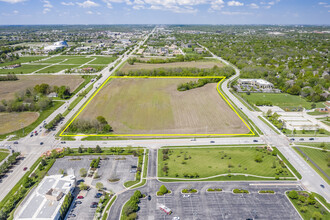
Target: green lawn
[[306, 210], [3, 154], [317, 145], [103, 59], [27, 68], [316, 113], [69, 59], [319, 157], [282, 100], [208, 162], [57, 68], [23, 60]]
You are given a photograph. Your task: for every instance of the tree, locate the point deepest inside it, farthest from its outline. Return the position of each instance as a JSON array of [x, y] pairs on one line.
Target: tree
[[80, 150], [99, 186], [43, 163], [82, 172], [27, 181], [258, 158], [163, 190], [293, 194], [90, 150], [83, 186], [313, 105], [98, 149], [101, 119], [317, 216]]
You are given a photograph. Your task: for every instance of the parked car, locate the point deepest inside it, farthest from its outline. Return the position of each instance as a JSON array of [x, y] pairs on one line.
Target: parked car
[[78, 202], [185, 195], [16, 142], [25, 168], [301, 139], [63, 142], [98, 195], [80, 197], [41, 143], [292, 139], [322, 186], [212, 142], [255, 140], [93, 206], [149, 197], [94, 203], [311, 139]]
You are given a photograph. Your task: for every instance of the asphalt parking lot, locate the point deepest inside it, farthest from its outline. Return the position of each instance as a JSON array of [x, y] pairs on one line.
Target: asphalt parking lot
[[116, 167], [219, 205], [83, 210], [110, 167]]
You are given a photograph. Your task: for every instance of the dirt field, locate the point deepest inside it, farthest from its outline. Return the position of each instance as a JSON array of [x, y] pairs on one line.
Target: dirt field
[[154, 106], [14, 121], [9, 88], [198, 64]]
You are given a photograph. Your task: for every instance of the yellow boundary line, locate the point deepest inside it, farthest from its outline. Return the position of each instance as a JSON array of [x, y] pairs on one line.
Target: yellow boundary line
[[146, 135]]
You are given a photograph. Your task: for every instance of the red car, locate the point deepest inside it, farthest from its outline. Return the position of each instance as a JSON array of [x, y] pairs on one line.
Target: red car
[[25, 168], [80, 197]]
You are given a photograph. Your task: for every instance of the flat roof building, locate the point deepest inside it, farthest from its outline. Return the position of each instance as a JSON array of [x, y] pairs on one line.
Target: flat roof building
[[45, 201]]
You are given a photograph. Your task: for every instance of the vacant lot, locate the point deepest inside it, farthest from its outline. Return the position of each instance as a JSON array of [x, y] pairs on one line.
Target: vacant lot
[[14, 121], [282, 100], [9, 88], [155, 106], [214, 161], [198, 64]]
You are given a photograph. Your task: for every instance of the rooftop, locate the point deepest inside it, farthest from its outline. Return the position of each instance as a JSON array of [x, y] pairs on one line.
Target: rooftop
[[45, 201]]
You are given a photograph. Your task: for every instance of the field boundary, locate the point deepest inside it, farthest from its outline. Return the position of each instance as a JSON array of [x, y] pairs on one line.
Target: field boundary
[[251, 133]]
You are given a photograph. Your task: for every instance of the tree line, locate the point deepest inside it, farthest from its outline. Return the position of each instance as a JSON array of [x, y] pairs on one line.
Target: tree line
[[181, 71], [178, 58], [98, 125], [196, 84], [8, 77]]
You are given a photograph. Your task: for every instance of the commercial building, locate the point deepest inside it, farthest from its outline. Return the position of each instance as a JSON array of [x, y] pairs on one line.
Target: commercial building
[[260, 83], [56, 46], [45, 201]]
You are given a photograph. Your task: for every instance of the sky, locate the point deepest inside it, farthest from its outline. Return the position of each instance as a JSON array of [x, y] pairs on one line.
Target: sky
[[164, 12]]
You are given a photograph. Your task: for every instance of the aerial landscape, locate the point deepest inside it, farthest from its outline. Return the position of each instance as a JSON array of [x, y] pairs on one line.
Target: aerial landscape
[[176, 110]]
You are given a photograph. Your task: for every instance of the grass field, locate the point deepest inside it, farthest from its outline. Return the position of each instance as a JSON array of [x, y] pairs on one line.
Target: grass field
[[3, 154], [317, 145], [214, 161], [155, 106], [13, 121], [43, 115], [9, 88], [103, 59], [57, 68], [310, 209], [198, 64], [282, 100], [27, 68], [319, 157], [23, 60]]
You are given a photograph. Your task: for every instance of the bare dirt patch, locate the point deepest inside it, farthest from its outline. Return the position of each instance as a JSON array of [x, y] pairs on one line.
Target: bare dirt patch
[[197, 64], [155, 106], [9, 88], [14, 121]]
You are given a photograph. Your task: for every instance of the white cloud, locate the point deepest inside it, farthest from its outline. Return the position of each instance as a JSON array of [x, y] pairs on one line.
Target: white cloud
[[89, 12], [88, 4], [267, 7], [253, 5], [67, 3], [216, 5], [235, 3], [12, 1], [236, 13], [322, 3], [47, 4], [46, 10], [15, 12]]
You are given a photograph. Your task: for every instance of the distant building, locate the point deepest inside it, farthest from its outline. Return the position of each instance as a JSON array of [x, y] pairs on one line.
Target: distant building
[[261, 83], [45, 201], [56, 46]]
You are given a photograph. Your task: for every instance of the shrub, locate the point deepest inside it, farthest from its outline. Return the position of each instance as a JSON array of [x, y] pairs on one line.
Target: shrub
[[162, 190], [293, 194], [240, 191]]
